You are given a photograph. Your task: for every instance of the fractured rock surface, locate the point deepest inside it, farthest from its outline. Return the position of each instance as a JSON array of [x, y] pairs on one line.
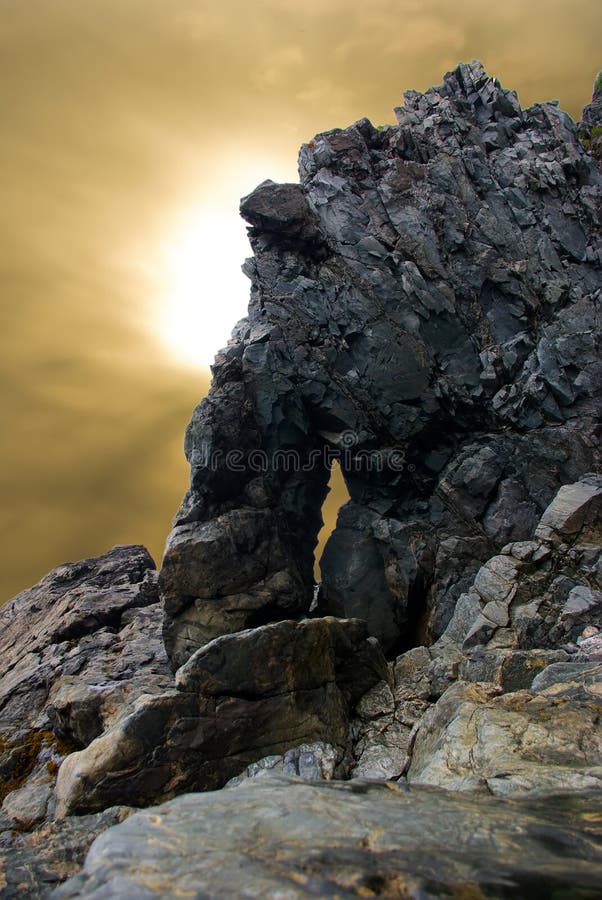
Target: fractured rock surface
[[508, 700], [238, 699], [512, 744], [425, 303], [75, 649], [32, 863]]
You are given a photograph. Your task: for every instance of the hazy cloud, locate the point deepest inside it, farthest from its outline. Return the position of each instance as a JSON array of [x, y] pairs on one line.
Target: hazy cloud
[[120, 116]]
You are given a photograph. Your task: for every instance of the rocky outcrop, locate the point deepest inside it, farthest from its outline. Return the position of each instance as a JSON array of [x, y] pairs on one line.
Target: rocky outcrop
[[540, 593], [508, 699], [423, 306], [241, 697], [525, 741], [281, 838], [75, 649], [33, 863]]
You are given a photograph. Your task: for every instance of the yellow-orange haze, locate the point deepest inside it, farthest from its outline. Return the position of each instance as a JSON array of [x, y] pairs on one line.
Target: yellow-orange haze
[[120, 119]]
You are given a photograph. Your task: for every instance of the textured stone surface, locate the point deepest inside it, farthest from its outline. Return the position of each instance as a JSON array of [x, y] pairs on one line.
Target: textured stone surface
[[590, 127], [32, 864], [424, 304], [542, 594], [530, 620], [573, 507], [76, 649], [238, 699], [381, 736], [275, 838], [512, 744]]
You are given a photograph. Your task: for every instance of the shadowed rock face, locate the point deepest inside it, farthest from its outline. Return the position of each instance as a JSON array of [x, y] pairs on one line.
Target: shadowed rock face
[[422, 303], [590, 127]]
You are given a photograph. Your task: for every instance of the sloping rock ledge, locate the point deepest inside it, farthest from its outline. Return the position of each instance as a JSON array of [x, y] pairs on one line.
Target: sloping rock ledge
[[279, 838]]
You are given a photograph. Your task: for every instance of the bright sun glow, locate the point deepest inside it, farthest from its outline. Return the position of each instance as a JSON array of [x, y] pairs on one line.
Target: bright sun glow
[[203, 292], [206, 291]]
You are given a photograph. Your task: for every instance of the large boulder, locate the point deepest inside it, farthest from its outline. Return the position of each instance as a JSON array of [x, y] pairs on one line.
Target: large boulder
[[239, 698], [516, 743]]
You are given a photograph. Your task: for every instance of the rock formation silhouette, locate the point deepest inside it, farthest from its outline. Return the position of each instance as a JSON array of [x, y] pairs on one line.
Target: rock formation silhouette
[[425, 308]]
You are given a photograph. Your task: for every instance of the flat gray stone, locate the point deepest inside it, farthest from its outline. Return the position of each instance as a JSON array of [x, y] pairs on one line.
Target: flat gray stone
[[276, 839], [570, 508]]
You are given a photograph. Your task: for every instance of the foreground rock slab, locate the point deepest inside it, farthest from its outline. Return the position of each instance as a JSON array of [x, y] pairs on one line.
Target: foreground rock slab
[[282, 838]]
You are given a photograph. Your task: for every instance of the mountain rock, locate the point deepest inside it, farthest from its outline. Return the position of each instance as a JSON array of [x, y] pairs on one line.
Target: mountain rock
[[511, 744], [541, 593], [425, 308], [508, 699], [75, 649], [33, 863], [590, 127]]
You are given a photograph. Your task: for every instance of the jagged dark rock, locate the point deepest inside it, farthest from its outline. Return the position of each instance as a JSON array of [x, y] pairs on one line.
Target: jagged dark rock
[[424, 302], [425, 306], [475, 709]]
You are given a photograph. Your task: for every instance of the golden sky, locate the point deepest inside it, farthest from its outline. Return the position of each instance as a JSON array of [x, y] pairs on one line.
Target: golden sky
[[129, 129]]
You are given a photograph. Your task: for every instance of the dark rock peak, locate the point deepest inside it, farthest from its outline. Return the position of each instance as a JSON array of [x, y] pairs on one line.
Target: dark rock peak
[[423, 305]]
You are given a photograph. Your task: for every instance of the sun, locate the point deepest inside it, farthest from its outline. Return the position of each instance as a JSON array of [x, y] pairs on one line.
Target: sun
[[202, 290], [205, 290]]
